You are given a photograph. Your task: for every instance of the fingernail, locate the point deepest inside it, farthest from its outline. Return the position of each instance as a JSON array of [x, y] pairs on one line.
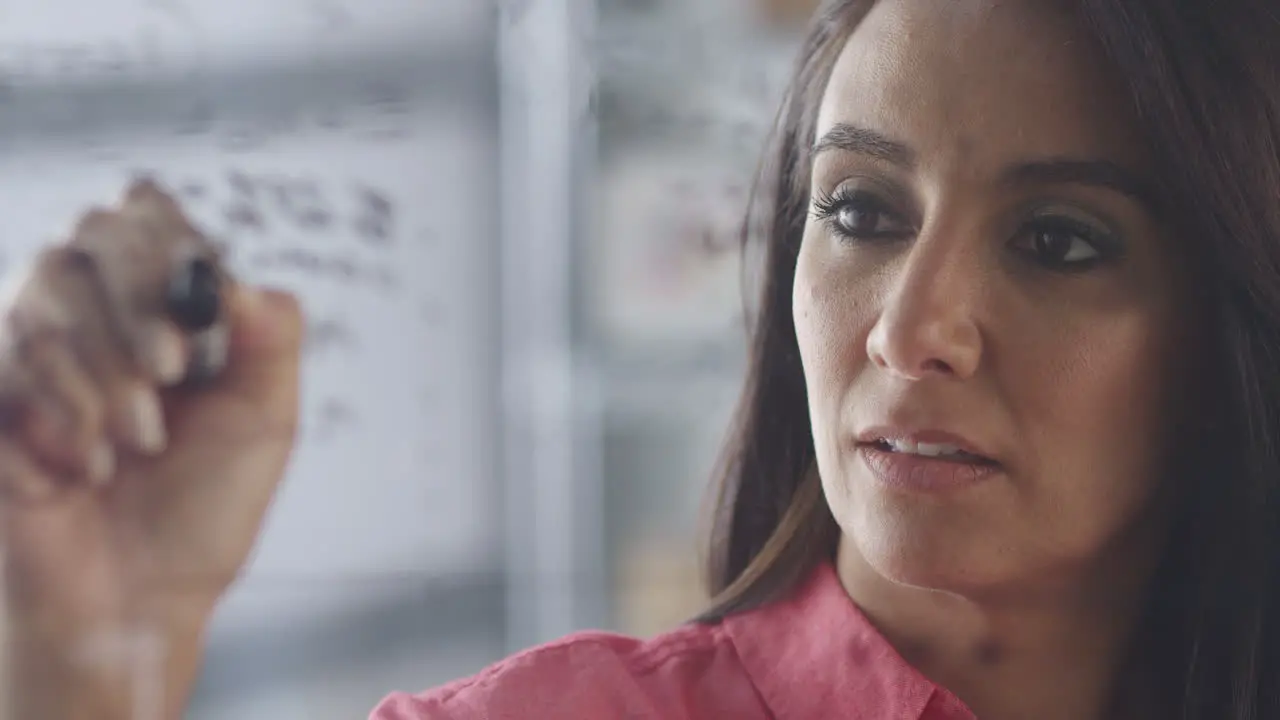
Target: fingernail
[[280, 301], [170, 355], [255, 309], [269, 309], [102, 463], [148, 421]]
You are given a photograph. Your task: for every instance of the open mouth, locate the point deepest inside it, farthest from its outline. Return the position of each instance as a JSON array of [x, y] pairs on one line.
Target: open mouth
[[934, 451]]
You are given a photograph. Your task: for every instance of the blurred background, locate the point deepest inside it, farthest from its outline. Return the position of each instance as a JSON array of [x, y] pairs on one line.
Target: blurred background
[[512, 226]]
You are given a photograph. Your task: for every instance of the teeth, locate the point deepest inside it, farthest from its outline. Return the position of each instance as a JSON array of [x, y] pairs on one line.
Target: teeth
[[925, 449]]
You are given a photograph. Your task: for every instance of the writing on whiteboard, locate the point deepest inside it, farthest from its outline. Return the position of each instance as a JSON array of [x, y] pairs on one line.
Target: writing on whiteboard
[[309, 227], [256, 203], [298, 223], [332, 416]]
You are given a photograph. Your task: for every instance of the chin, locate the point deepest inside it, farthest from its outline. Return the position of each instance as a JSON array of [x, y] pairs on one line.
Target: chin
[[907, 559], [925, 545]]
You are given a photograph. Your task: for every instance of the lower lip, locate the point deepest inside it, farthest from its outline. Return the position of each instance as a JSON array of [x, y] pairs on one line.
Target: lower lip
[[916, 473]]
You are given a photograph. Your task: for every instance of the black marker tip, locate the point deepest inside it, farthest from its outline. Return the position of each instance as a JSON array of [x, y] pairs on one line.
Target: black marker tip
[[194, 300]]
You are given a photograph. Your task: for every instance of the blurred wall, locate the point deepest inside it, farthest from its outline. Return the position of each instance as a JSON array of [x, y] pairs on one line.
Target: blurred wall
[[687, 94]]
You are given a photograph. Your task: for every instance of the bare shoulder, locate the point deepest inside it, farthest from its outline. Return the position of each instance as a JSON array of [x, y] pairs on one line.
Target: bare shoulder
[[587, 674]]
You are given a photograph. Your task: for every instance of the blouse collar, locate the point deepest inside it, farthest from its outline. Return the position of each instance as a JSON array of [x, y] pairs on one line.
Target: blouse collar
[[816, 655]]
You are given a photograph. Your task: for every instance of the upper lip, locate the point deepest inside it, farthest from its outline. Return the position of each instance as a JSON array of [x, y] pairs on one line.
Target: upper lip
[[923, 435]]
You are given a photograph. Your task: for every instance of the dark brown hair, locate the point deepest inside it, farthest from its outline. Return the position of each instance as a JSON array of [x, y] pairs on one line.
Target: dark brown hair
[[1204, 78]]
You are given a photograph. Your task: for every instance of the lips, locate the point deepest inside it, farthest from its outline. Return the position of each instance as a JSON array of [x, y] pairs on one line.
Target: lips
[[924, 462], [936, 451], [934, 444]]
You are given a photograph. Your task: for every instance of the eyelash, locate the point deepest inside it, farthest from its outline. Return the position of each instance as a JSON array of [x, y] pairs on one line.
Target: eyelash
[[827, 208]]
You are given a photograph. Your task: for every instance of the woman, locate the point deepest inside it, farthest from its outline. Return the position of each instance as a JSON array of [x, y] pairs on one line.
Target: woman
[[1007, 448]]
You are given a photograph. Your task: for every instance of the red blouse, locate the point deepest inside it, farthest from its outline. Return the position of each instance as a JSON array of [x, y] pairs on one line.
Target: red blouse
[[813, 655]]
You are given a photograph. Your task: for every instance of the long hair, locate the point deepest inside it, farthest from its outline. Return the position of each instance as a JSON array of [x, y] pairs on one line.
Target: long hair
[[1204, 80]]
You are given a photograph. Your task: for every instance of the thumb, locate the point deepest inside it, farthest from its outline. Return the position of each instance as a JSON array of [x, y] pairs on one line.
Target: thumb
[[265, 352]]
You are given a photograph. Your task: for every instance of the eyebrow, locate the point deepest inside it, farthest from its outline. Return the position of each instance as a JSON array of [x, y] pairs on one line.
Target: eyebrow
[[1098, 173], [863, 141], [1059, 171]]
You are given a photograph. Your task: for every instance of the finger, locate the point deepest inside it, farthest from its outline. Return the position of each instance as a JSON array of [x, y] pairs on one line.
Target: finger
[[132, 268], [144, 198], [22, 479], [62, 392], [135, 416], [56, 412], [67, 369], [160, 350], [131, 412], [265, 346], [105, 377]]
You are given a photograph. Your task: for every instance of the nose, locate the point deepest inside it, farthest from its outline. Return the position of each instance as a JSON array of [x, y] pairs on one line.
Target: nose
[[927, 325]]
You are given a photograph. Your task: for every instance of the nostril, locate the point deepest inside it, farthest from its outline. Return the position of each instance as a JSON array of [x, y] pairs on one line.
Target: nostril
[[195, 301], [939, 367]]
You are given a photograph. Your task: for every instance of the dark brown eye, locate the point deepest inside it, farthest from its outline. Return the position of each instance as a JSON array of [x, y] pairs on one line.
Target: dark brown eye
[[858, 215], [859, 221], [1062, 246], [1060, 243]]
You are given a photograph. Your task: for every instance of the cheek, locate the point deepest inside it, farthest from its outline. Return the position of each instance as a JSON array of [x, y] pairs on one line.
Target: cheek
[[1094, 408], [831, 313]]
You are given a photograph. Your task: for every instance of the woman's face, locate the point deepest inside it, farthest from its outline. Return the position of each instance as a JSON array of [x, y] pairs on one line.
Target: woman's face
[[982, 269]]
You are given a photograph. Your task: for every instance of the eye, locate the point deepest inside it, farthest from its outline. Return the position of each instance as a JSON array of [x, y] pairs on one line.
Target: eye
[[858, 215], [1066, 244]]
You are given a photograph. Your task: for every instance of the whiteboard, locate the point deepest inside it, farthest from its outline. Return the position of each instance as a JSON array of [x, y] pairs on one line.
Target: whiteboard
[[322, 141]]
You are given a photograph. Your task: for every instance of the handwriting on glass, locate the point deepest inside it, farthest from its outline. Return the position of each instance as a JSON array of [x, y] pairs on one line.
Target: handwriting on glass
[[267, 202], [299, 223]]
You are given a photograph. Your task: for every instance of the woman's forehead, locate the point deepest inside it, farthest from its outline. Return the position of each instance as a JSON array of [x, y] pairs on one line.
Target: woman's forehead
[[974, 81]]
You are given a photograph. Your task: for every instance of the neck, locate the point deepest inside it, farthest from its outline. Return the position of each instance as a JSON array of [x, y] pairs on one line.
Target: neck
[[1061, 652]]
